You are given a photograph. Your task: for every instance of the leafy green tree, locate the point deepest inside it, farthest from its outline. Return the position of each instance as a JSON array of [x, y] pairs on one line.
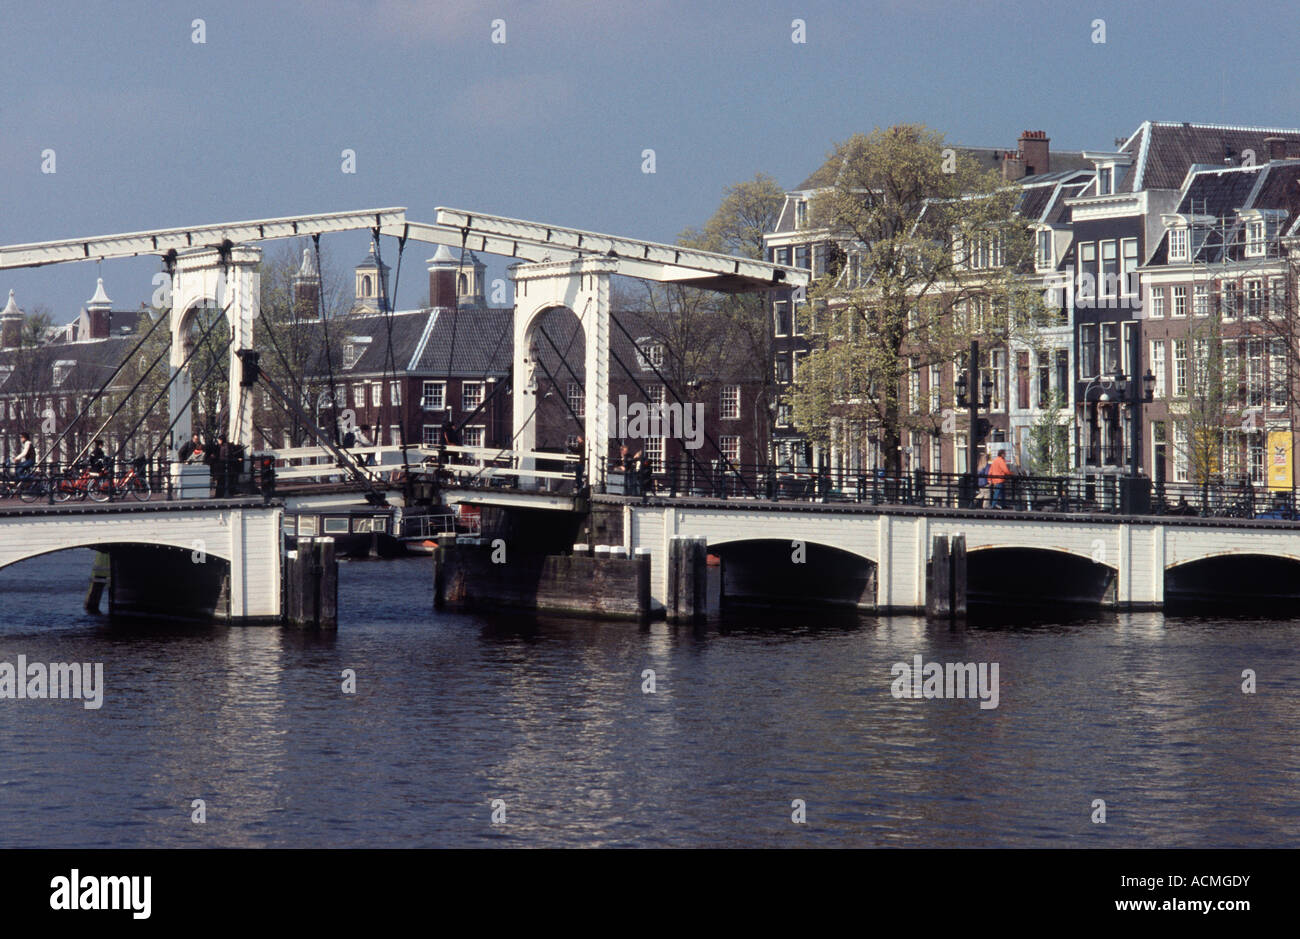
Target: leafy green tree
[[927, 255]]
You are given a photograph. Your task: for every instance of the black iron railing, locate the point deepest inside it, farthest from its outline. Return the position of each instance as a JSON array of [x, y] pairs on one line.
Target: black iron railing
[[1082, 492]]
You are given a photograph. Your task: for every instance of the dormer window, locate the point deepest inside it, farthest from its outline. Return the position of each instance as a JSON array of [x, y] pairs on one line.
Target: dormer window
[[1106, 181], [61, 370], [1255, 239], [1178, 244], [801, 213], [353, 348], [649, 354]]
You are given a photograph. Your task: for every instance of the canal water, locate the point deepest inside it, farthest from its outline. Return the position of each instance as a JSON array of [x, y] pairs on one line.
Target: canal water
[[452, 713]]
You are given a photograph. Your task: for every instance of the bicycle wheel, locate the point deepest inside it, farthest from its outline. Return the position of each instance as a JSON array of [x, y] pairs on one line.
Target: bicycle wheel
[[64, 489], [139, 490], [99, 488], [31, 489]]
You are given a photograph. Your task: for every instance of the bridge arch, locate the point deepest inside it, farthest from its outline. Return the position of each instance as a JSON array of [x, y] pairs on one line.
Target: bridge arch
[[1233, 580], [782, 571], [1016, 575]]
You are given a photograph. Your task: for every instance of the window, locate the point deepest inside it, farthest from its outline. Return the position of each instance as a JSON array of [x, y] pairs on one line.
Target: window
[[1180, 453], [1276, 298], [730, 402], [1201, 300], [577, 397], [432, 397], [783, 368], [353, 348], [395, 435], [649, 354], [1230, 299], [936, 453], [1128, 269], [1110, 349], [1254, 372], [266, 399], [1254, 299], [1106, 181], [1231, 371], [335, 526], [1158, 366], [936, 382], [1255, 239], [358, 396], [1107, 283], [998, 374], [959, 451], [1044, 248], [61, 370], [783, 323], [801, 213], [473, 436], [431, 436], [1157, 302], [471, 396], [986, 252], [1180, 368], [1088, 351], [1087, 292], [729, 445], [1044, 379], [654, 453], [801, 257], [913, 387], [1180, 302], [1178, 244], [376, 393], [1277, 377], [658, 394], [784, 414], [571, 442], [394, 392], [1255, 454]]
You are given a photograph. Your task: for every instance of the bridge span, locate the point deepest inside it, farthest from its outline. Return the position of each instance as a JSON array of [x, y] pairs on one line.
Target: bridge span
[[218, 558], [878, 557]]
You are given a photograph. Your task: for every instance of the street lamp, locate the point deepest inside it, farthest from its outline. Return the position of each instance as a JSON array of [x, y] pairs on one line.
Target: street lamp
[[966, 382]]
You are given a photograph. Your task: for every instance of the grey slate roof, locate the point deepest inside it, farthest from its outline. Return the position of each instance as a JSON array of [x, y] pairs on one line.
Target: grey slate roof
[[1163, 151]]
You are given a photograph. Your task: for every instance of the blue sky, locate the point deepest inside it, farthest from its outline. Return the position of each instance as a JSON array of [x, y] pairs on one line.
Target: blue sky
[[153, 130]]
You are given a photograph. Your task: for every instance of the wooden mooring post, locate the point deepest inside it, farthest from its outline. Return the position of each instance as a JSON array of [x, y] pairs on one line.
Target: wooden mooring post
[[945, 579], [311, 584]]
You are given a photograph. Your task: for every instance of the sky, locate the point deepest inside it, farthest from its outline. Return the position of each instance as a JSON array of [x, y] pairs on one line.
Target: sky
[[151, 129]]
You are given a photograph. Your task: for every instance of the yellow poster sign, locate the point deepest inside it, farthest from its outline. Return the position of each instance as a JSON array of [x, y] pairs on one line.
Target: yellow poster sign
[[1280, 454]]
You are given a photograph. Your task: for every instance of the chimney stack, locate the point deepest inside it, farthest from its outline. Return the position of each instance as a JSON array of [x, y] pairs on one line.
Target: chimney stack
[[442, 278], [1035, 152], [1013, 167], [1276, 147]]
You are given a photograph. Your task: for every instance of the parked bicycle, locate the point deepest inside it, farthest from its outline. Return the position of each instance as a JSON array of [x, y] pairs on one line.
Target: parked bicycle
[[132, 483]]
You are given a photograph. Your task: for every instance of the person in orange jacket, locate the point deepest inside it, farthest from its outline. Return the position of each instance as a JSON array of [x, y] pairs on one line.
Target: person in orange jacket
[[999, 473]]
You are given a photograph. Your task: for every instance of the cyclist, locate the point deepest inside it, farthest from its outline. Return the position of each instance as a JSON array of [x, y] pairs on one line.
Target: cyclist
[[25, 459]]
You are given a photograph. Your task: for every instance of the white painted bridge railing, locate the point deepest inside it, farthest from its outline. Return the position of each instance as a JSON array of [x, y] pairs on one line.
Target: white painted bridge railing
[[481, 463]]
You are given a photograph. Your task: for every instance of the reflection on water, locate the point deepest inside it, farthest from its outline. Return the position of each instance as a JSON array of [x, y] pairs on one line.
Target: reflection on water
[[549, 715]]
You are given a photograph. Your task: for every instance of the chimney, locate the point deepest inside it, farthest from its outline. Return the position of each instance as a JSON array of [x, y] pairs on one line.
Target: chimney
[[1035, 152], [11, 324], [1276, 147], [1293, 149], [442, 278], [98, 314], [1013, 167]]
